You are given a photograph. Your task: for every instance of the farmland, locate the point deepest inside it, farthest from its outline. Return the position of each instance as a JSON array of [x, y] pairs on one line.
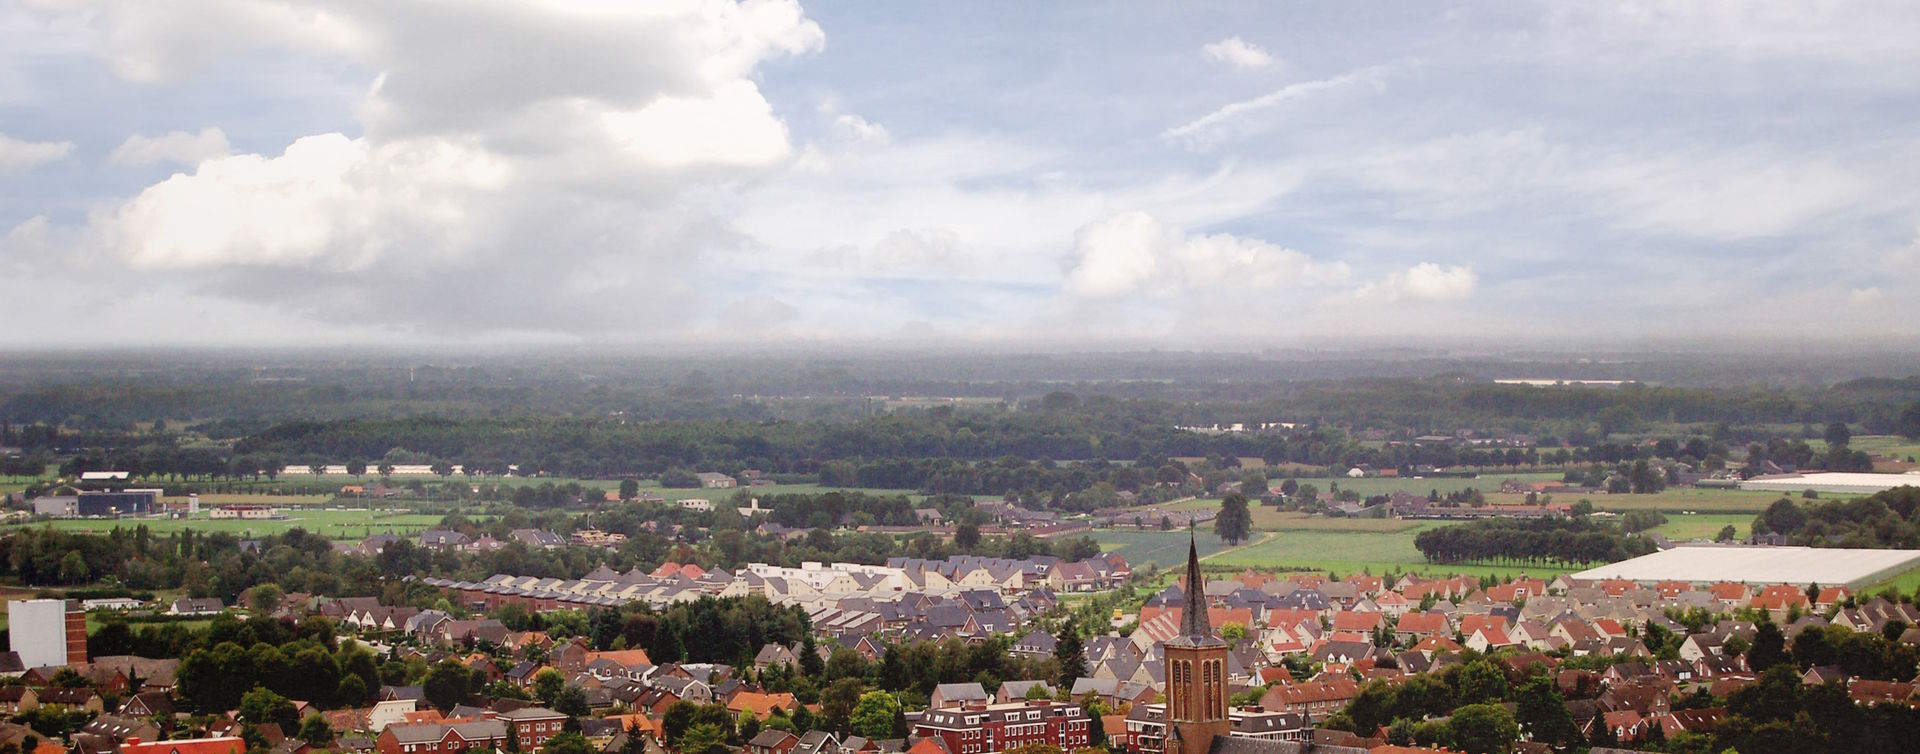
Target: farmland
[[1298, 549], [331, 523]]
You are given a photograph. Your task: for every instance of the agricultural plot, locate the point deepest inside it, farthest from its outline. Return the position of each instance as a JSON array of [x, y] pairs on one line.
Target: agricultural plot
[[1164, 548], [333, 524], [1671, 500], [1349, 552], [1683, 526]]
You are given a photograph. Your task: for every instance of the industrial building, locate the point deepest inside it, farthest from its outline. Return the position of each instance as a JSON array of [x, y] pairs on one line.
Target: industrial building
[[118, 502]]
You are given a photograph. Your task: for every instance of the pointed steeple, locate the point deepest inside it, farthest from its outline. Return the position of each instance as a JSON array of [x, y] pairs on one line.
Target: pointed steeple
[[1195, 629]]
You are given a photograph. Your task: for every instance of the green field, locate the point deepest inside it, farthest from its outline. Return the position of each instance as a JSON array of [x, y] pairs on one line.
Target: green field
[[1906, 583], [1165, 548], [1370, 486], [1671, 500], [334, 524], [1337, 551], [1681, 526]]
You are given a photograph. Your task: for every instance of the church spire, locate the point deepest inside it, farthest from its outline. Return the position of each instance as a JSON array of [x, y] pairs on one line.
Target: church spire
[[1195, 629]]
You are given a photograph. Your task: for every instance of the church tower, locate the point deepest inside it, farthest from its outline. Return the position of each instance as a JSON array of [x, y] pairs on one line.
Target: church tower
[[1196, 673]]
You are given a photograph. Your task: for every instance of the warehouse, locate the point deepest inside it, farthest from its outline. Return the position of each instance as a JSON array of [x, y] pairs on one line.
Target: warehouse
[[1707, 564]]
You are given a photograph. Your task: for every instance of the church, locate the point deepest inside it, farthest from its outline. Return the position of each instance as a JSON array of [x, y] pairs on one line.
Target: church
[[1198, 719]]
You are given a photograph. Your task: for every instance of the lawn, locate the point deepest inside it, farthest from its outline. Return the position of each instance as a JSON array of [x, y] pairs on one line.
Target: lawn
[[334, 524]]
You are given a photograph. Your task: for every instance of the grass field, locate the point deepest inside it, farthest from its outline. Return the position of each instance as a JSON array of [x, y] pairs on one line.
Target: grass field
[[1681, 526], [1165, 548], [1906, 583], [334, 524], [1370, 486], [1342, 552], [1672, 500]]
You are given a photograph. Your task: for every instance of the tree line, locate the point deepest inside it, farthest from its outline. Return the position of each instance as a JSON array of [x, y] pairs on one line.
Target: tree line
[[1553, 539]]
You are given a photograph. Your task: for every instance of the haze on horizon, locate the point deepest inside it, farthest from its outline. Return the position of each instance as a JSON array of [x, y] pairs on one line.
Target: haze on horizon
[[284, 172]]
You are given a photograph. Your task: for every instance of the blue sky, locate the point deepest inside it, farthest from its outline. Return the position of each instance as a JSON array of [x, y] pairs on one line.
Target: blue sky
[[1219, 174]]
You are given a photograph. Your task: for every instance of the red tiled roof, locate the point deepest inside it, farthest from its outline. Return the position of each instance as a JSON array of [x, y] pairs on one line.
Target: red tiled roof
[[221, 745]]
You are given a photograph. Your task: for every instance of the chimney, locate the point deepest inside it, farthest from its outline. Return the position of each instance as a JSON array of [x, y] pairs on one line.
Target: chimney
[[132, 741]]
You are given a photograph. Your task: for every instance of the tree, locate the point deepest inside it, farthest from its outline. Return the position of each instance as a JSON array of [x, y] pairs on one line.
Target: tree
[[966, 536], [704, 738], [873, 715], [1908, 425], [446, 684], [1233, 631], [1727, 534], [572, 702], [512, 745], [629, 489], [547, 684], [1769, 647], [315, 730], [1069, 653], [1543, 714], [261, 705], [1838, 435], [574, 743], [837, 702], [1481, 682], [811, 664], [1483, 729], [1235, 522]]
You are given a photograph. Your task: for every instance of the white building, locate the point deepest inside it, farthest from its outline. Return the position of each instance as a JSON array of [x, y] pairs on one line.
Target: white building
[[41, 633]]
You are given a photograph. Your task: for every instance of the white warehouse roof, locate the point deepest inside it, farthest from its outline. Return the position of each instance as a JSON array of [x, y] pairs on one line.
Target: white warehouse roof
[[1827, 566], [1831, 481]]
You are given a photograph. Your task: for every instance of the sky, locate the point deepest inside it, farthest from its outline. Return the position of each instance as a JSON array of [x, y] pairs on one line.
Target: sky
[[283, 172]]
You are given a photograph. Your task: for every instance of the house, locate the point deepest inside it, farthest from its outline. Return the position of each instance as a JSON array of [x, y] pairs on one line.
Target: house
[[16, 700], [215, 745], [716, 481], [773, 655], [956, 694], [772, 741], [1014, 691], [759, 704], [196, 606], [439, 737], [532, 726]]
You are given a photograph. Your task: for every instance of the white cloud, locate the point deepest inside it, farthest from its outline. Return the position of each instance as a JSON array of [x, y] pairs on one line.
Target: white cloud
[[328, 202], [855, 128], [1425, 281], [1238, 53], [178, 147], [1373, 76], [18, 155], [569, 150], [1132, 253], [1865, 296]]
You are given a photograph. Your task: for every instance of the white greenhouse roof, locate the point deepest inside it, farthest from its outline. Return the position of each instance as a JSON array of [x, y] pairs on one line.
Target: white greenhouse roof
[[1761, 565], [1831, 481]]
